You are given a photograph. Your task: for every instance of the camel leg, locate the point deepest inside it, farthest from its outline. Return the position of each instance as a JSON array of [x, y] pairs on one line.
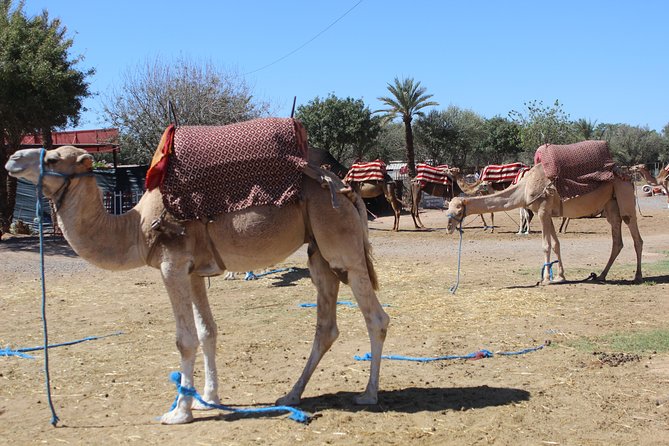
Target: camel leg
[[389, 193], [485, 224], [176, 280], [548, 235], [638, 245], [206, 333], [415, 202], [327, 286], [492, 222], [377, 326], [613, 217]]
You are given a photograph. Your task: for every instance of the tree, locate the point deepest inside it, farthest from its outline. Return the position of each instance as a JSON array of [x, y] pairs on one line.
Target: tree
[[502, 142], [201, 93], [631, 145], [390, 144], [542, 125], [40, 86], [585, 129], [343, 127], [407, 100]]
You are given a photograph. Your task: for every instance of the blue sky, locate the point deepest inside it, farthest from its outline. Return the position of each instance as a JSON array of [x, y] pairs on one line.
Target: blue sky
[[605, 61]]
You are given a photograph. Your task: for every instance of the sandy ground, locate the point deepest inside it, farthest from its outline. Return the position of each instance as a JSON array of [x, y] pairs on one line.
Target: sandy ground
[[111, 390]]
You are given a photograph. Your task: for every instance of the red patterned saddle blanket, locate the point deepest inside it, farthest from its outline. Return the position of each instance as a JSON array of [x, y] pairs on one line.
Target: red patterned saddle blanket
[[432, 174], [577, 169], [367, 171], [501, 173], [204, 171]]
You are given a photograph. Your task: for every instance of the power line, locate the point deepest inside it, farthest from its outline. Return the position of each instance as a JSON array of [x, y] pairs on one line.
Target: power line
[[307, 42]]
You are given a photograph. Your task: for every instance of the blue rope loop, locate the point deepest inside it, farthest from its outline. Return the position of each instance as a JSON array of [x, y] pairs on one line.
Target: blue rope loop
[[346, 303], [550, 270], [295, 414], [480, 354], [20, 352]]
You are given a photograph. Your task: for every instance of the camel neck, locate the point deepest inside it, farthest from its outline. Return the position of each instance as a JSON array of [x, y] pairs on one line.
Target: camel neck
[[108, 241], [510, 198]]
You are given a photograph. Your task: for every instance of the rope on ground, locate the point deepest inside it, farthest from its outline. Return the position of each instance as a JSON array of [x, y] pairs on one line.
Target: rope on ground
[[345, 303], [295, 414], [455, 286], [480, 354], [251, 276], [21, 352]]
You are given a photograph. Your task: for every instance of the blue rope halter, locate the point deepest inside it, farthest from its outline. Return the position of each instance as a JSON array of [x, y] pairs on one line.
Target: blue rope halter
[[455, 286]]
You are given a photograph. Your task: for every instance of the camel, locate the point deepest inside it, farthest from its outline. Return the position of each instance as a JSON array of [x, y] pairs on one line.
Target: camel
[[662, 179], [537, 193], [458, 186], [373, 189], [188, 251]]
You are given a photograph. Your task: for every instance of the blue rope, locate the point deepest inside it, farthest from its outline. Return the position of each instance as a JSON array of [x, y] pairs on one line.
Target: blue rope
[[38, 212], [455, 286], [251, 276], [295, 414], [475, 355], [20, 352], [550, 270], [345, 303]]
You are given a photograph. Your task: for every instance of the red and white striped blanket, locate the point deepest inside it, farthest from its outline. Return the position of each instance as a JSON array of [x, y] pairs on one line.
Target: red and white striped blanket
[[368, 171], [521, 174], [577, 169], [212, 170], [432, 174], [501, 173]]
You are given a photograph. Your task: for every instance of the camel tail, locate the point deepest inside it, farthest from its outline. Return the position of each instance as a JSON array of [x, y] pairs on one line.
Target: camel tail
[[362, 212]]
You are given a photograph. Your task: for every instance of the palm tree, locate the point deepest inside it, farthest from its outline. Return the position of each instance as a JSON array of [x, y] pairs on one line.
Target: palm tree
[[586, 129], [407, 100]]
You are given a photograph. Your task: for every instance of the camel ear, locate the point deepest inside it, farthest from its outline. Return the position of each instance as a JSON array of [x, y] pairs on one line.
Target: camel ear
[[86, 160]]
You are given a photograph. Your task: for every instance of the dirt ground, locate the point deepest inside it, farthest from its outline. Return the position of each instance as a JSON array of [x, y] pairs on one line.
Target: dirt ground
[[111, 390]]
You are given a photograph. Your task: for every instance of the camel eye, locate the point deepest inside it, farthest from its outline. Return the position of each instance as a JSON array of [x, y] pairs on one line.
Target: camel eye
[[51, 159]]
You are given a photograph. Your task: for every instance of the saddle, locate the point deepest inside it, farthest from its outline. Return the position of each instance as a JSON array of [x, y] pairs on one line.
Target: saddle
[[577, 169], [366, 171], [432, 174], [204, 171]]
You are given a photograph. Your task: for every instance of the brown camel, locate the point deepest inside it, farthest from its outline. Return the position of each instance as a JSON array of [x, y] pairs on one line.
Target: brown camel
[[373, 189], [187, 252], [662, 179], [537, 193], [458, 186]]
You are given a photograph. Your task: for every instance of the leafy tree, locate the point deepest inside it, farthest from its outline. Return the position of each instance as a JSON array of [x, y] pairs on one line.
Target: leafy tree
[[585, 129], [343, 127], [631, 145], [407, 100], [542, 125], [40, 86], [390, 144], [201, 94], [502, 142]]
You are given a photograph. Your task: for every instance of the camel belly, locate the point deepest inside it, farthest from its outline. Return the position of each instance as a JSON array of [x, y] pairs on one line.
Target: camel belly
[[258, 237], [588, 204]]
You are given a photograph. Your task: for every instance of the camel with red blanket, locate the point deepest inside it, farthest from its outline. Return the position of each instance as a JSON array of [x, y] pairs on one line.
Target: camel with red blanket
[[573, 181], [370, 180]]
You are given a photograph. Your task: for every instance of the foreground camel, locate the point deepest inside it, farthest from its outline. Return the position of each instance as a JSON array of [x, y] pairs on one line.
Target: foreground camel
[[537, 193], [373, 189], [662, 179], [187, 252]]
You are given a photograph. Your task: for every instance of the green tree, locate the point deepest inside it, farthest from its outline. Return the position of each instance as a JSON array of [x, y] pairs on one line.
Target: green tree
[[40, 86], [502, 142], [202, 94], [585, 129], [407, 100], [343, 127], [390, 144], [631, 145], [542, 125]]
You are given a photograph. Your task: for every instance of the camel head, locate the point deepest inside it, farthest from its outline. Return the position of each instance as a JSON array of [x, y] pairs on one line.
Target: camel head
[[455, 213], [637, 167], [60, 165]]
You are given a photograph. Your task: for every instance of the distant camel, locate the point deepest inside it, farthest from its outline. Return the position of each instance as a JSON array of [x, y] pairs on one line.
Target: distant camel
[[662, 179], [538, 193]]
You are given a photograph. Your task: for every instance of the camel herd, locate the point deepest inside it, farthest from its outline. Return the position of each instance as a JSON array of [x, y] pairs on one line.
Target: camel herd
[[330, 217]]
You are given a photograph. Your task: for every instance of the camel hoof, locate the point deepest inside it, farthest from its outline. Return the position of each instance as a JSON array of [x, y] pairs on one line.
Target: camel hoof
[[288, 400], [197, 405], [177, 417], [365, 399], [638, 280]]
